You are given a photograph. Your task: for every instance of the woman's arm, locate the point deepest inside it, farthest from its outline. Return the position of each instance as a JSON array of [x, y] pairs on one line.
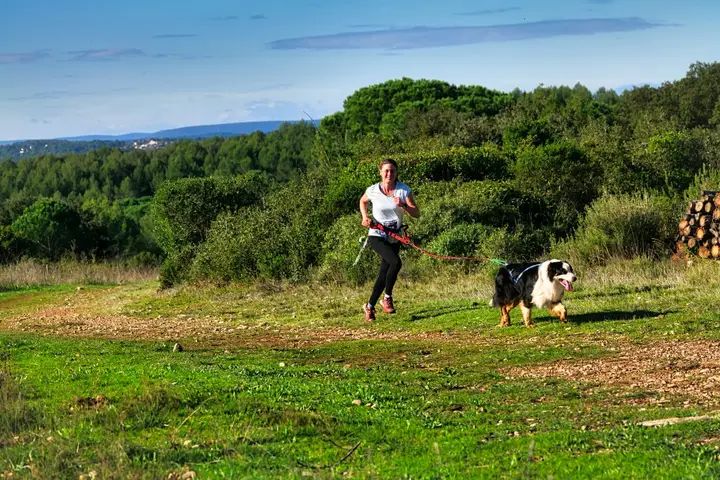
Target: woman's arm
[[364, 211], [409, 206]]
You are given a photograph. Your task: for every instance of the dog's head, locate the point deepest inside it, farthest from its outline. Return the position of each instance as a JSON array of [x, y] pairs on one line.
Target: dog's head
[[563, 273]]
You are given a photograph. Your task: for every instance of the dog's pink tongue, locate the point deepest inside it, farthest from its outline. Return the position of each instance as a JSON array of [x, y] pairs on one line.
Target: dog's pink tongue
[[568, 286]]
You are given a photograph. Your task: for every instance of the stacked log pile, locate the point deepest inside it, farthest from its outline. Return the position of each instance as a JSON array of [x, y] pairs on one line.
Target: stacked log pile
[[699, 229]]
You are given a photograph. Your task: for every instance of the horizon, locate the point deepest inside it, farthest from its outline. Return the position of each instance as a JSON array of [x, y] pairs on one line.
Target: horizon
[[115, 69]]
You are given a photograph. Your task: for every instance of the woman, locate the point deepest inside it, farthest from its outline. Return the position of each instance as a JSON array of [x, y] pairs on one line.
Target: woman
[[389, 199]]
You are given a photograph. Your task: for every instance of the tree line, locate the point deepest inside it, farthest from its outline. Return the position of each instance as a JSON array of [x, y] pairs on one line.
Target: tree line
[[507, 173]]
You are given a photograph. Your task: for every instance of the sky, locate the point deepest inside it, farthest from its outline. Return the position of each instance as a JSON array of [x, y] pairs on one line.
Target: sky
[[75, 67]]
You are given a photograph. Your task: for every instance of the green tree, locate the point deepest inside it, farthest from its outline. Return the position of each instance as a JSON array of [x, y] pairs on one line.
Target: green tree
[[52, 227]]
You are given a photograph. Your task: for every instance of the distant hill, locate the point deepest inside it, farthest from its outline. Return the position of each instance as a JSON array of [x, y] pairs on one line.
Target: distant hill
[[35, 148], [19, 149], [197, 131]]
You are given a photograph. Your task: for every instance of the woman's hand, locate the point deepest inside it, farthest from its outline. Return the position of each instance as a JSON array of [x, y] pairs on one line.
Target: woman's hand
[[366, 222]]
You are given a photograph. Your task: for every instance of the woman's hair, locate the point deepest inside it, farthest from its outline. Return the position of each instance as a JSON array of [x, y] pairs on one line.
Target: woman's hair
[[390, 161]]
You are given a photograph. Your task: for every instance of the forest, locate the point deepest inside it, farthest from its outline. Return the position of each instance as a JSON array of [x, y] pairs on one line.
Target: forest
[[559, 170]]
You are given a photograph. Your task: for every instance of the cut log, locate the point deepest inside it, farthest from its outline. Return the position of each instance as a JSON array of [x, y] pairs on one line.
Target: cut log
[[698, 207], [704, 221], [700, 233], [683, 223], [716, 200], [715, 251], [708, 206], [703, 252], [687, 231], [691, 243]]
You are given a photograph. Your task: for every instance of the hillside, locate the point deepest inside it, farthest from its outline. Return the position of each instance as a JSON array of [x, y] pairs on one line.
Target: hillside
[[19, 149]]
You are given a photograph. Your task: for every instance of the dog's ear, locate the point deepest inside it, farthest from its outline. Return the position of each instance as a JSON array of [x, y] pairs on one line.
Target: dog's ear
[[555, 268]]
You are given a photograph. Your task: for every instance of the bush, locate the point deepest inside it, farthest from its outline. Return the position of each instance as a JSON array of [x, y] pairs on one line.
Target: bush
[[282, 240], [561, 174], [455, 163], [340, 248], [11, 247], [482, 241], [497, 204], [183, 210], [622, 226], [344, 190]]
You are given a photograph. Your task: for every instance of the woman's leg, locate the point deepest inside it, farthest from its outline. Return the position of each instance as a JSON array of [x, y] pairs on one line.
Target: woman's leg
[[394, 268], [389, 267]]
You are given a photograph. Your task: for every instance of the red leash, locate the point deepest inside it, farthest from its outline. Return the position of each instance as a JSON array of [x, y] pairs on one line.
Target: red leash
[[405, 239]]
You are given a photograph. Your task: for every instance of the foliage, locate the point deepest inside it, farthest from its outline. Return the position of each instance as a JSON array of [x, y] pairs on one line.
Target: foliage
[[11, 247], [341, 246], [622, 226], [562, 175], [281, 239], [183, 211], [375, 108], [526, 163], [498, 204], [52, 228]]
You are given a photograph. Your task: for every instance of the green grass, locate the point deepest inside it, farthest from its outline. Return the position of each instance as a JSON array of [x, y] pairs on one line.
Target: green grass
[[422, 394]]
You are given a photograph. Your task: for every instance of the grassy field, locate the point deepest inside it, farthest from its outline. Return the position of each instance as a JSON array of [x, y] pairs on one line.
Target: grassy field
[[120, 380]]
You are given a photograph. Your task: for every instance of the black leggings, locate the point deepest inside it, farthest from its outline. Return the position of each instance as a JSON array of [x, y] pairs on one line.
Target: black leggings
[[389, 267]]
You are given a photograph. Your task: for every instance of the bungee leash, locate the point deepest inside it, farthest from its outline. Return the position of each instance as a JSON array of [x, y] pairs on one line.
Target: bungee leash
[[405, 239]]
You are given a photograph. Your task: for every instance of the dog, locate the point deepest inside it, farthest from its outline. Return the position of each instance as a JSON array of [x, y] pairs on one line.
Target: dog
[[533, 285]]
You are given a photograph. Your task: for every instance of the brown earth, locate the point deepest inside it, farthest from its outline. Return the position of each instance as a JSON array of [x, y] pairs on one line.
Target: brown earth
[[689, 369]]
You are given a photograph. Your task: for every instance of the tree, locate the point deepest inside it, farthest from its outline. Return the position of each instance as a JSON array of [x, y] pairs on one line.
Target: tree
[[52, 227]]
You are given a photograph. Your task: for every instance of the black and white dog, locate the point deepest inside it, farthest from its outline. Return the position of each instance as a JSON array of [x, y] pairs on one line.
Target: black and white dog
[[532, 285]]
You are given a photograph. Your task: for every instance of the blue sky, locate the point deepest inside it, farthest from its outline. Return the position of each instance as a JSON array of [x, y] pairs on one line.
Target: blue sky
[[76, 67]]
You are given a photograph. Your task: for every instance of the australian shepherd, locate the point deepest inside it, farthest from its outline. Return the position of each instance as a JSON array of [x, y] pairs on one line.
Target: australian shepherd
[[532, 285]]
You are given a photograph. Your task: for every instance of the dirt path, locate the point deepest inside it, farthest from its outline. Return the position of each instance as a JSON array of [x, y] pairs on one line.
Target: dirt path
[[672, 368], [99, 314]]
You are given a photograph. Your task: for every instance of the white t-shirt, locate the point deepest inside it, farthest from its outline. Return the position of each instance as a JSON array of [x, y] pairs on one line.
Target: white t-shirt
[[384, 209]]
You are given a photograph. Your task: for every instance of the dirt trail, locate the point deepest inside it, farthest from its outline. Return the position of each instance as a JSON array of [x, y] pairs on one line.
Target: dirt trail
[[99, 314], [689, 369], [671, 368]]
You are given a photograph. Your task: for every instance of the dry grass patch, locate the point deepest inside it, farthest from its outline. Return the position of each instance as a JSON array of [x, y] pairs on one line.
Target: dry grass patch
[[31, 273]]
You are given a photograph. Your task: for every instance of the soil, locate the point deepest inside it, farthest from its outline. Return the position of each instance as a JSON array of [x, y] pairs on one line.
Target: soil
[[689, 369]]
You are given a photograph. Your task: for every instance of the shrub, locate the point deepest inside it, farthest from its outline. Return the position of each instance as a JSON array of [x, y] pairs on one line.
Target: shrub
[[183, 210], [497, 204], [622, 226], [11, 247], [234, 249], [482, 241], [344, 190], [340, 249], [561, 174], [282, 240]]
